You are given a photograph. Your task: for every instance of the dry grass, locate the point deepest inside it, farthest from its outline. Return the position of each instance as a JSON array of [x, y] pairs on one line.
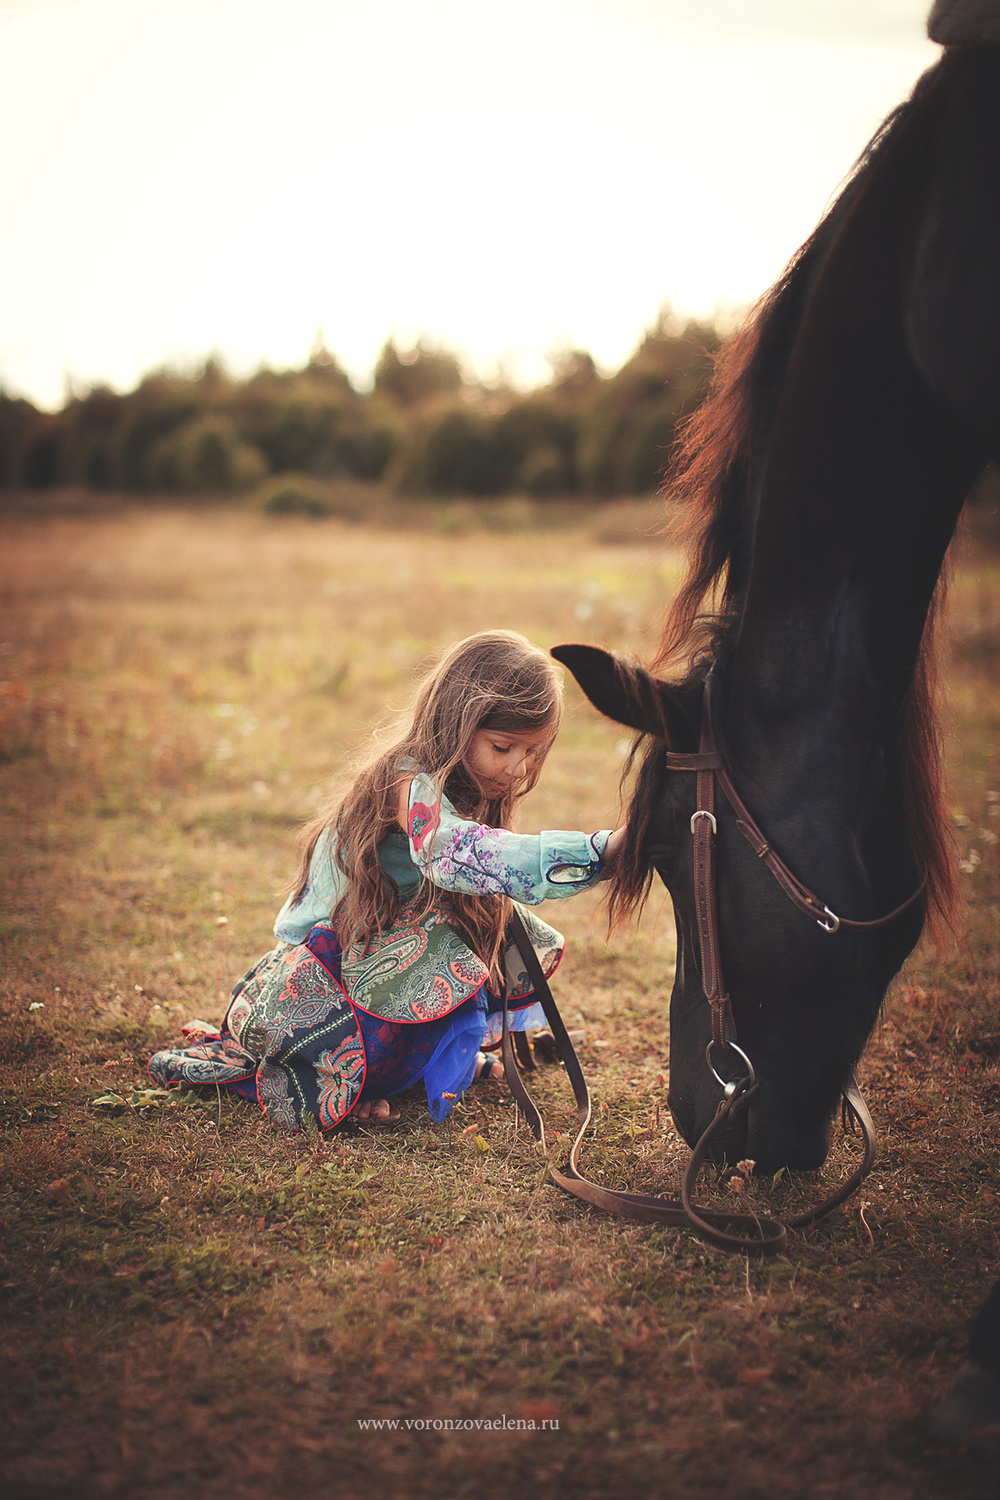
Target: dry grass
[[198, 1305]]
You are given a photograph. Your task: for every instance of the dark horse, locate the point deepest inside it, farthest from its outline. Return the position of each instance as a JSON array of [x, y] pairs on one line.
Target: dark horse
[[825, 472]]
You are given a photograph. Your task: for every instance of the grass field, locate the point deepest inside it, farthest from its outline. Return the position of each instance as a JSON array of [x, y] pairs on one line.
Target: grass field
[[197, 1305]]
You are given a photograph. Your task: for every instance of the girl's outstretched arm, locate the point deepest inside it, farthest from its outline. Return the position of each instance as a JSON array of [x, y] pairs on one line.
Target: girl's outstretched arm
[[611, 851], [458, 854]]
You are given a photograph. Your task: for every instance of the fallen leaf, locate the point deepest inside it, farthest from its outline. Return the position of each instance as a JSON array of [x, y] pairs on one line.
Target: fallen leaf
[[112, 1104], [143, 1098]]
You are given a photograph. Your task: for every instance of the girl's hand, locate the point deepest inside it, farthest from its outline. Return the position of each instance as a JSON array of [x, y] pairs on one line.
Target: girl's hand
[[612, 850]]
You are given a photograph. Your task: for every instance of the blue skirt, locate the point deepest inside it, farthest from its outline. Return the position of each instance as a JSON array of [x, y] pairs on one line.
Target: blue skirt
[[442, 1052]]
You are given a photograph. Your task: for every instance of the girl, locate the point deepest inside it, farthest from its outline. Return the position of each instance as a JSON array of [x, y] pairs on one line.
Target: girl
[[392, 944]]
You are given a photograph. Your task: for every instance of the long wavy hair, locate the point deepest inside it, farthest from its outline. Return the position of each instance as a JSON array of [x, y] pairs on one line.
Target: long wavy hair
[[494, 680]]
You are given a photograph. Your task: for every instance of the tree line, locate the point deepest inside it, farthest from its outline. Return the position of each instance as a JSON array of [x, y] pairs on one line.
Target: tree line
[[423, 429]]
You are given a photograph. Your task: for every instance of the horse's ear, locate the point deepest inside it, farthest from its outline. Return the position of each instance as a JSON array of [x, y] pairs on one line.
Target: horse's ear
[[622, 691]]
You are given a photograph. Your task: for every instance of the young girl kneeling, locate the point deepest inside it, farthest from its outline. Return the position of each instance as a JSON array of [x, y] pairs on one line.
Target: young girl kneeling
[[392, 945]]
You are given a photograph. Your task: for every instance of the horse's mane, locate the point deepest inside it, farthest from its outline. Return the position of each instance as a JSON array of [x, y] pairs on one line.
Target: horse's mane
[[714, 480]]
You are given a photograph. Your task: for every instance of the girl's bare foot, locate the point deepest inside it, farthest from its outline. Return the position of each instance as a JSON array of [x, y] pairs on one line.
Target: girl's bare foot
[[374, 1112], [489, 1068]]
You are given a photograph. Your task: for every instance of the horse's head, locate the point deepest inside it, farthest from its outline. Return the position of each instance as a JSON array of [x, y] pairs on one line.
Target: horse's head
[[804, 1000]]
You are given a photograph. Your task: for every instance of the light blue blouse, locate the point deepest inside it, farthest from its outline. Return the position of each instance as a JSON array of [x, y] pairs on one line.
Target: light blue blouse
[[455, 854]]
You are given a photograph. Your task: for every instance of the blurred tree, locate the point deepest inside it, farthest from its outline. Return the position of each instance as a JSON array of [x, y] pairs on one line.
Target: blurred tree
[[417, 375], [422, 428], [307, 435], [17, 416], [574, 375], [630, 426], [545, 472], [382, 431], [40, 449], [448, 449], [96, 418], [536, 440], [206, 456], [42, 459], [323, 365], [212, 376], [83, 454], [309, 421], [160, 404]]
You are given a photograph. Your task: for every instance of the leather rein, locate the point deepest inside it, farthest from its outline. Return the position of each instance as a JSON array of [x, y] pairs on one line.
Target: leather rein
[[749, 1234]]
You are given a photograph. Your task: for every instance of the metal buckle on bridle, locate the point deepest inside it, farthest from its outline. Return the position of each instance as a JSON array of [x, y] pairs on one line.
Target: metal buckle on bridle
[[739, 1083], [834, 923], [704, 813]]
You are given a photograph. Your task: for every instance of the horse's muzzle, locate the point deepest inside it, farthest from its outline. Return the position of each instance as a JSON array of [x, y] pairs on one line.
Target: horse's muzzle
[[761, 1134]]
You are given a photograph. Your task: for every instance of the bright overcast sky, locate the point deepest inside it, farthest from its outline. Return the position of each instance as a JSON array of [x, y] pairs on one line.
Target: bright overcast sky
[[506, 178]]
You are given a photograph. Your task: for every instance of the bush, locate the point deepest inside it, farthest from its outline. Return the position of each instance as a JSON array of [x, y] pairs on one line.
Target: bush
[[293, 495]]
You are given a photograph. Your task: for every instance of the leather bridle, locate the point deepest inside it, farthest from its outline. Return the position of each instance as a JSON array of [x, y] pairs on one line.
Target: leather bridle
[[709, 768], [746, 1233]]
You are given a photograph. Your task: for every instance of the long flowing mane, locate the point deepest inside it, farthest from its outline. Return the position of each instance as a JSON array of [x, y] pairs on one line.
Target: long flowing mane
[[714, 481]]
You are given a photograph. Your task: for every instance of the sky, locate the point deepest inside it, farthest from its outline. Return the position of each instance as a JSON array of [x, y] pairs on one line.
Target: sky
[[506, 179]]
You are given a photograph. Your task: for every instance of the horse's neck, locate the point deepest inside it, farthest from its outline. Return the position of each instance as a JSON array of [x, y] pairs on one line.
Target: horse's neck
[[865, 475], [851, 535], [846, 562]]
